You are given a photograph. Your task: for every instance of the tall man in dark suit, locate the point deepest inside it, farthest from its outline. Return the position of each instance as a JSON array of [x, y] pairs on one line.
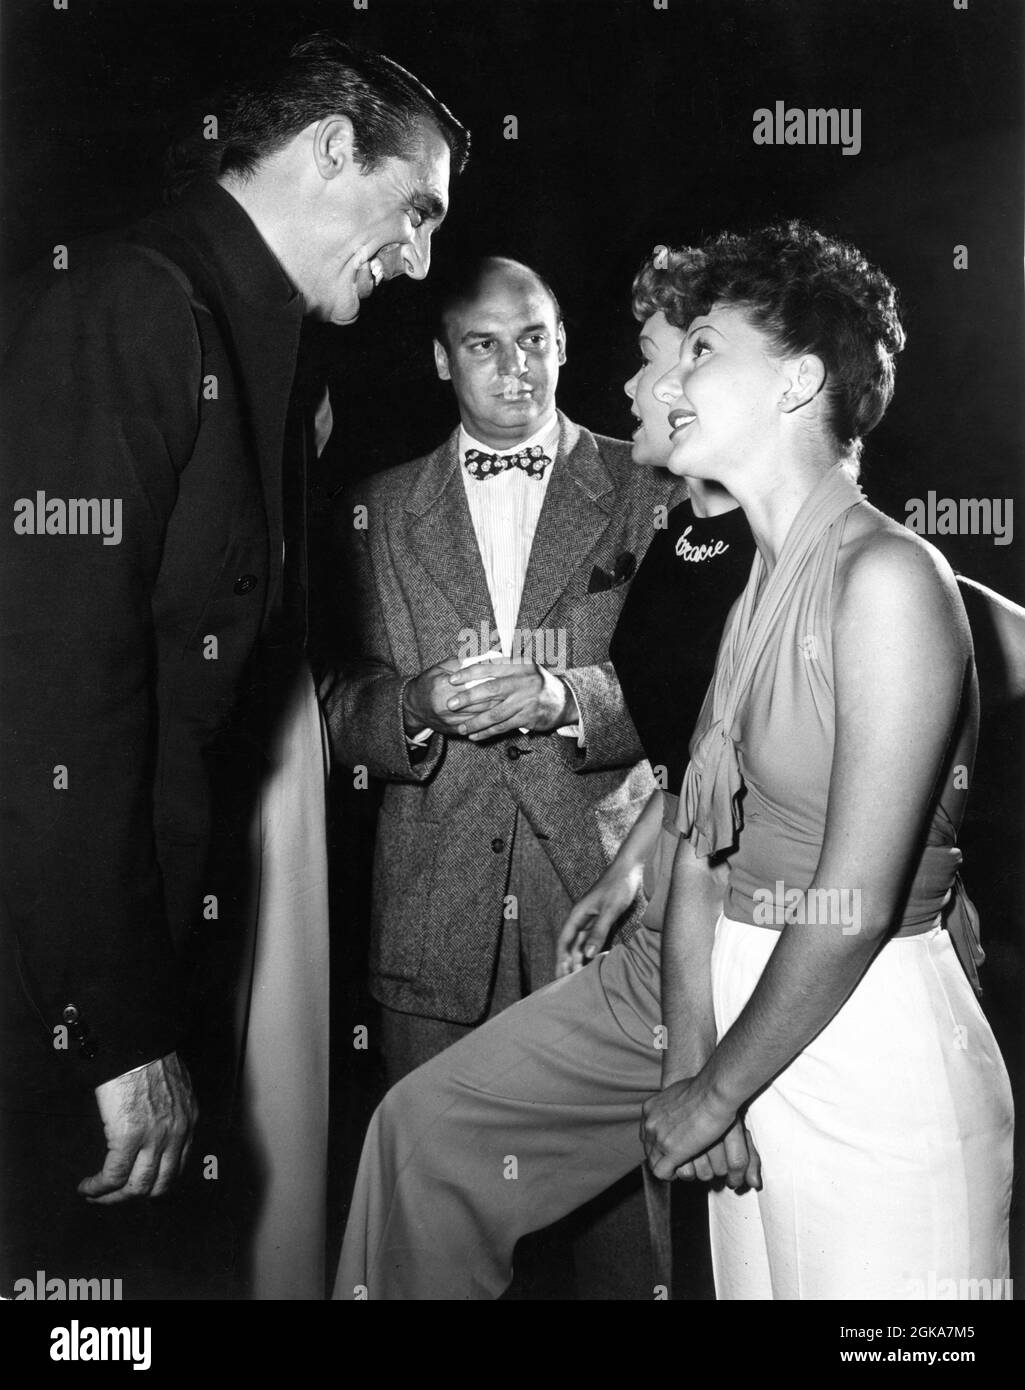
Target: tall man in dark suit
[[511, 781], [152, 595]]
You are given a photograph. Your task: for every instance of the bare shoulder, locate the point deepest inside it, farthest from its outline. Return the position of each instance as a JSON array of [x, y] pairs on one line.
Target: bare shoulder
[[890, 576]]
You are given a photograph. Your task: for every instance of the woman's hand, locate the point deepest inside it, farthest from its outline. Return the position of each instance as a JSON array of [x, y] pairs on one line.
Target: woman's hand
[[734, 1158], [688, 1133], [587, 927]]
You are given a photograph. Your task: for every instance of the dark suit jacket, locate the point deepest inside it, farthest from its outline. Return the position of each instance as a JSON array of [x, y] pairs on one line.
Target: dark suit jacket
[[157, 370], [412, 581]]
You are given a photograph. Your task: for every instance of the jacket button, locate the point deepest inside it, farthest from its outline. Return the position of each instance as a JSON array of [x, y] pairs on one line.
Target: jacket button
[[70, 1014], [512, 752], [498, 844], [245, 583]]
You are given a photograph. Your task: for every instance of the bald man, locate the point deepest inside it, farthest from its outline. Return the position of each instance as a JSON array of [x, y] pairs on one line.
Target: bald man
[[485, 580]]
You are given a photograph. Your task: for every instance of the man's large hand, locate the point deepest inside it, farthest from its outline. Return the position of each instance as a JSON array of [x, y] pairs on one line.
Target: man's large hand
[[148, 1118], [515, 695], [425, 700]]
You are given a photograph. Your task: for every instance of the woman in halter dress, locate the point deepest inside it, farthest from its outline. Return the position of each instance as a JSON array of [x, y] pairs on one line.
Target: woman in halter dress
[[829, 770]]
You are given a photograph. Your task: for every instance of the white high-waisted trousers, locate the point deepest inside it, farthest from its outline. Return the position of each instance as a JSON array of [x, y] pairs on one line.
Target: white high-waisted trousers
[[885, 1144]]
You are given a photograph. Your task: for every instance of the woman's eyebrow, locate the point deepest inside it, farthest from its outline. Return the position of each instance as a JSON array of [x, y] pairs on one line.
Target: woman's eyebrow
[[698, 327]]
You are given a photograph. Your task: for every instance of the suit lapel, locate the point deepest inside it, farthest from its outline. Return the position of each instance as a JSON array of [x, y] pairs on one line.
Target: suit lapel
[[439, 532], [576, 511], [260, 319], [267, 378]]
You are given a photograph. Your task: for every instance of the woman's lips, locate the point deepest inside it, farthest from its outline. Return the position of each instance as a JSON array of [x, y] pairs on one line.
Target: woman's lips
[[679, 420]]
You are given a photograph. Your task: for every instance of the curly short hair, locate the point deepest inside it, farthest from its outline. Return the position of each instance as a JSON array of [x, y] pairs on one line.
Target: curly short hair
[[808, 293]]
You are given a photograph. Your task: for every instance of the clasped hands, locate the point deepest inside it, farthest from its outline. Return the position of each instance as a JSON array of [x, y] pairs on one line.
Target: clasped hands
[[511, 695], [688, 1132]]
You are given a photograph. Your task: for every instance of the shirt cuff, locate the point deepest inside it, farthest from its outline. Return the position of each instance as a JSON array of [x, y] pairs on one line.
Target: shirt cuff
[[559, 686]]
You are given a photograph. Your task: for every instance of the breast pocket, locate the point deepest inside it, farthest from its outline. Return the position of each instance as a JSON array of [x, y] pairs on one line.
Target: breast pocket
[[593, 621]]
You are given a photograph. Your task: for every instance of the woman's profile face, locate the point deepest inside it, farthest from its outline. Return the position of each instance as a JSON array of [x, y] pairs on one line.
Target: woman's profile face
[[724, 394], [659, 343]]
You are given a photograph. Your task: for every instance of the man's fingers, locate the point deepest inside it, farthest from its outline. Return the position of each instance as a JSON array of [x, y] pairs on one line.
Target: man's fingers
[[184, 1157], [502, 719], [498, 670], [118, 1180], [168, 1169], [117, 1167], [482, 697]]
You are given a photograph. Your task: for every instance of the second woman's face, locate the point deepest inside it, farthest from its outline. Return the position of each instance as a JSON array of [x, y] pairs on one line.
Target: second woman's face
[[723, 396], [660, 344]]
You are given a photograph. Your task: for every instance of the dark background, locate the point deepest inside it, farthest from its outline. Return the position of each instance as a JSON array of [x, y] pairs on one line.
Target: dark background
[[635, 128]]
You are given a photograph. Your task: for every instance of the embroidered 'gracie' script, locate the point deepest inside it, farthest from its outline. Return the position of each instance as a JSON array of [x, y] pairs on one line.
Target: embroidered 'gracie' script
[[695, 553]]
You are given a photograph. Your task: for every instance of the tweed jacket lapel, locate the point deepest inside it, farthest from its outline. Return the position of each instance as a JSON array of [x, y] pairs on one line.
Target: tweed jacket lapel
[[439, 532], [577, 508]]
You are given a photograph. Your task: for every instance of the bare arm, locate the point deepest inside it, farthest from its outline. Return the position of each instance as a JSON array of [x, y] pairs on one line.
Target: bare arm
[[688, 935], [902, 660], [587, 927], [688, 932]]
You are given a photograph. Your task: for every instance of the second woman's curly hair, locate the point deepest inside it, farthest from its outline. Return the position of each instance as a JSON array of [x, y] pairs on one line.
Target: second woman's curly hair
[[808, 293]]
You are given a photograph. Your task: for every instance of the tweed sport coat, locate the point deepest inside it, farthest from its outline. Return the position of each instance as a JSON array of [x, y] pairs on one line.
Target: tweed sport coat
[[411, 582]]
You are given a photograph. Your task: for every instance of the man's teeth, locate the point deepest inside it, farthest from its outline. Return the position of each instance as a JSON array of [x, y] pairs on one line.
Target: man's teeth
[[679, 418], [376, 270]]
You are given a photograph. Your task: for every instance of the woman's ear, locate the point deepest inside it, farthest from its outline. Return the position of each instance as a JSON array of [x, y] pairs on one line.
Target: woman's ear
[[806, 377]]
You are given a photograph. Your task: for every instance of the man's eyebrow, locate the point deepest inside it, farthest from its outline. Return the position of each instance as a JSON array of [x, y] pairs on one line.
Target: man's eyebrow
[[433, 204], [540, 327]]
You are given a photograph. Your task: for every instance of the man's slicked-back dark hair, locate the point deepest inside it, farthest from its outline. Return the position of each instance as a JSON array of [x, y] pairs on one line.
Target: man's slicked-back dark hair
[[808, 293], [463, 284], [322, 76]]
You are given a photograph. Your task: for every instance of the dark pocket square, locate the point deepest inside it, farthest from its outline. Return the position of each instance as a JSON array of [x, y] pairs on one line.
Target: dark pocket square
[[622, 570]]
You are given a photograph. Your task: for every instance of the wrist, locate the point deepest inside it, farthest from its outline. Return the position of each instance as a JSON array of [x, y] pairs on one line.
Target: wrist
[[624, 871], [570, 710], [411, 721], [685, 1056], [720, 1097]]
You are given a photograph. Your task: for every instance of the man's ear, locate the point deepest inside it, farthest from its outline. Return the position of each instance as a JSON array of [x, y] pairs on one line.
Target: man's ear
[[333, 145], [441, 361], [560, 338], [805, 377]]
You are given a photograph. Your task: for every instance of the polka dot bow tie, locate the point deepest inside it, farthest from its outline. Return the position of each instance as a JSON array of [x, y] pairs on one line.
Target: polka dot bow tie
[[480, 465]]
